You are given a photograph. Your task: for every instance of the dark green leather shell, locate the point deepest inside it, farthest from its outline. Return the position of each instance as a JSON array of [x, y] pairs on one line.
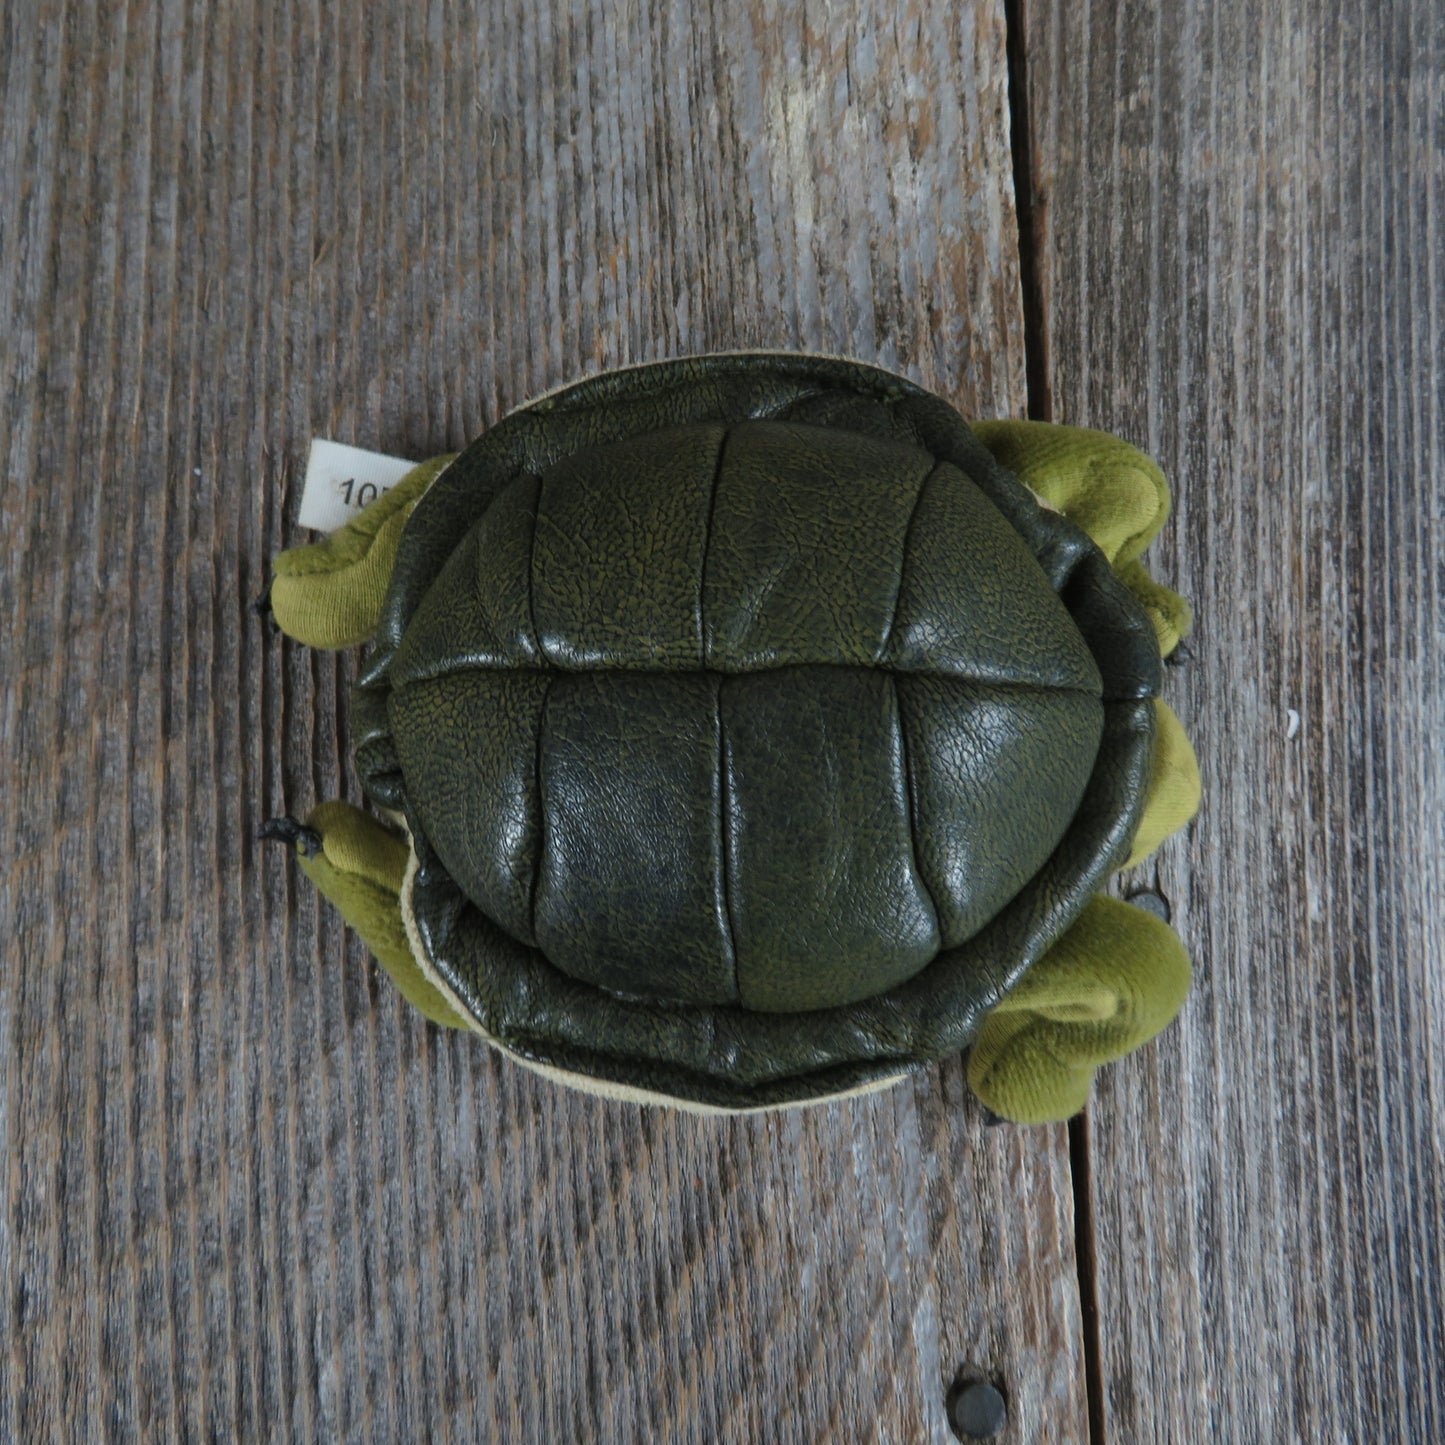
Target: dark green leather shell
[[755, 730]]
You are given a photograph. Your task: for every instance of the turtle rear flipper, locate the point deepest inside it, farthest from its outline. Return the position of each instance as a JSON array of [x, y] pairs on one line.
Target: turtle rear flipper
[[1116, 978], [330, 594], [359, 866]]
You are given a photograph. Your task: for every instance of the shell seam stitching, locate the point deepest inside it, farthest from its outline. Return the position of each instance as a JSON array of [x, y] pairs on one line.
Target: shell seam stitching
[[911, 812], [707, 544], [541, 816], [963, 679], [730, 941], [724, 840], [903, 559], [541, 721]]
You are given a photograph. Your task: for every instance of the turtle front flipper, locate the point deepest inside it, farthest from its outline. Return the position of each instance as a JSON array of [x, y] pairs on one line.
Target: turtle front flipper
[[1117, 977], [330, 594], [359, 866], [1106, 487]]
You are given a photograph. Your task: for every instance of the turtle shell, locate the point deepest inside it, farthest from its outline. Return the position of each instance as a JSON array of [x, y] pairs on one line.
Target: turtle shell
[[754, 729]]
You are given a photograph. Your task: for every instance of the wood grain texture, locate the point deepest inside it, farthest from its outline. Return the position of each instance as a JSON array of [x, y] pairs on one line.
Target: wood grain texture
[[1243, 263], [246, 1194]]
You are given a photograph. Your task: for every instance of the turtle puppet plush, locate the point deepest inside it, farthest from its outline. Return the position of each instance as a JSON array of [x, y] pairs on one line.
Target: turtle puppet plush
[[751, 730]]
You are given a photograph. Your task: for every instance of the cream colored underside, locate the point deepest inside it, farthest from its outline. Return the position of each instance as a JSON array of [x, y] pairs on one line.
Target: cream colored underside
[[588, 1085]]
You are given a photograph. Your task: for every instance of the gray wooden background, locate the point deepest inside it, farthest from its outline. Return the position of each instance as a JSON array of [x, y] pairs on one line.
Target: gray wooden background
[[245, 1195]]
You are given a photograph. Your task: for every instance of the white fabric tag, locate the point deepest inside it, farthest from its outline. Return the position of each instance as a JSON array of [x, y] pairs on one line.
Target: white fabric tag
[[342, 480]]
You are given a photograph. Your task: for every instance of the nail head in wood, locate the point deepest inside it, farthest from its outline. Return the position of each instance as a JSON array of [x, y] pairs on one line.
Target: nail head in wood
[[978, 1410], [1152, 902]]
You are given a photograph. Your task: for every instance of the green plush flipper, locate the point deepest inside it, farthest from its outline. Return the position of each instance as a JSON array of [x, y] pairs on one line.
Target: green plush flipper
[[1170, 613], [1118, 495], [1114, 980], [1174, 786], [1110, 489], [1118, 975], [330, 594], [359, 866]]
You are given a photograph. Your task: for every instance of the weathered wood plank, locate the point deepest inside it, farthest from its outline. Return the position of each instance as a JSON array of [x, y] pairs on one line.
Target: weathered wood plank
[[1244, 270], [245, 1193]]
